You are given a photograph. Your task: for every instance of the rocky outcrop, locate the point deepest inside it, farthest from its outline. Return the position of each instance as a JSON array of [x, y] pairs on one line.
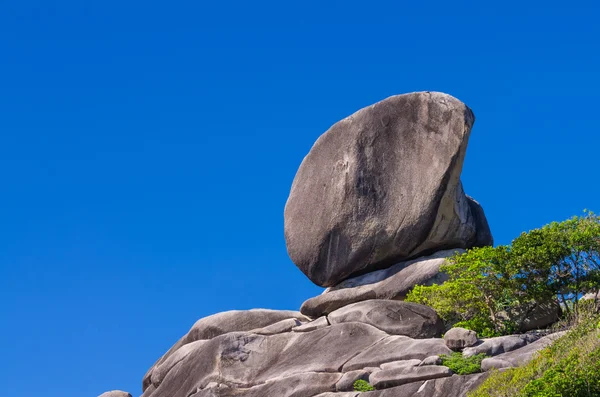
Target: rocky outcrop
[[376, 208], [391, 283], [381, 186], [323, 361], [244, 360]]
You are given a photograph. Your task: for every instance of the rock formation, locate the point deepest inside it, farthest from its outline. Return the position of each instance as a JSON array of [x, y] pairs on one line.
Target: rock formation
[[382, 186], [376, 207]]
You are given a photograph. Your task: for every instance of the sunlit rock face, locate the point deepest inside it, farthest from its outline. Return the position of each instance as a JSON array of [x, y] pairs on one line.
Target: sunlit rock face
[[381, 186]]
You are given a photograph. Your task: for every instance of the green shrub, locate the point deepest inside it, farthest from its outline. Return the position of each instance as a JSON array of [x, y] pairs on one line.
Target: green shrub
[[480, 286], [463, 365], [489, 288], [570, 367], [362, 385]]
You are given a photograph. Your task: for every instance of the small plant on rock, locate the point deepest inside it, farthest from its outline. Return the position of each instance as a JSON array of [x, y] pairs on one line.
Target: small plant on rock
[[462, 365], [362, 385]]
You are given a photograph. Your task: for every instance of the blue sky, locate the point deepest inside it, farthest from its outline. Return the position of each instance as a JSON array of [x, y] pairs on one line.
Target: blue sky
[[147, 151]]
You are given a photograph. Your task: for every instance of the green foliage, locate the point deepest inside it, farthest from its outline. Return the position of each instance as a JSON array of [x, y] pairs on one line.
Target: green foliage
[[560, 259], [570, 367], [463, 365], [362, 385], [489, 288], [479, 287]]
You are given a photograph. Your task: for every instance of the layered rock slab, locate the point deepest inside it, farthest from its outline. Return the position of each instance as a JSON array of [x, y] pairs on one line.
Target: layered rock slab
[[299, 385], [383, 185], [453, 386], [396, 348], [393, 317], [407, 374], [391, 283]]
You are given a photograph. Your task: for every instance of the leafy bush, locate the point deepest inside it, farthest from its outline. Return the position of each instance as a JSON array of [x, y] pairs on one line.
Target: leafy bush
[[463, 365], [561, 260], [489, 289], [570, 367], [362, 385], [480, 286]]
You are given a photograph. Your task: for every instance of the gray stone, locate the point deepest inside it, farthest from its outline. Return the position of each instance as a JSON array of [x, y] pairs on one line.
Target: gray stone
[[147, 379], [278, 328], [407, 390], [393, 317], [148, 390], [540, 316], [115, 393], [407, 374], [319, 323], [391, 283], [400, 364], [396, 348], [370, 370], [381, 186], [346, 382], [432, 360], [454, 386], [161, 370], [500, 344], [222, 323], [299, 385], [240, 361], [484, 234], [238, 320], [534, 316], [458, 338], [518, 357]]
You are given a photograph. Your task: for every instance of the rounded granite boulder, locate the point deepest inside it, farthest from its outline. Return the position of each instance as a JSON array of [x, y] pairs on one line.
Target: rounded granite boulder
[[381, 186]]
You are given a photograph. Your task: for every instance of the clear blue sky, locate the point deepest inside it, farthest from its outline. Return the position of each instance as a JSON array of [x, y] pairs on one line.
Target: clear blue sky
[[147, 151]]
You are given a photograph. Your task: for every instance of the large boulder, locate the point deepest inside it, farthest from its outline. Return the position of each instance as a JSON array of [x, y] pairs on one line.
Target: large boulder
[[393, 317], [381, 186], [458, 338], [391, 283]]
